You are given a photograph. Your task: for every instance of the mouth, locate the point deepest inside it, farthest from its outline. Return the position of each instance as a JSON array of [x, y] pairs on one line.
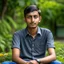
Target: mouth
[[32, 23]]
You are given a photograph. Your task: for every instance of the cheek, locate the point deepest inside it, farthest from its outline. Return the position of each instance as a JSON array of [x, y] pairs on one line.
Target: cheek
[[27, 20], [38, 20]]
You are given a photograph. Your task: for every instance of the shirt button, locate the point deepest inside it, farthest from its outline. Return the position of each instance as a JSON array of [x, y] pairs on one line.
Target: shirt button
[[32, 49], [32, 45]]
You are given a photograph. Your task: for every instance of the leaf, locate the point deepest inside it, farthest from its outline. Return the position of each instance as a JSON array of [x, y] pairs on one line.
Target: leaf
[[12, 22], [2, 47], [7, 25]]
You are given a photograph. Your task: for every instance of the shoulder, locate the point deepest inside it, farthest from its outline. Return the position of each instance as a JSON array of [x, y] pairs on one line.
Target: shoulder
[[45, 30], [19, 32]]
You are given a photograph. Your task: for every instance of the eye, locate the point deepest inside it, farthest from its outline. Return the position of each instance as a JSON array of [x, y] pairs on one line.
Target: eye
[[35, 16]]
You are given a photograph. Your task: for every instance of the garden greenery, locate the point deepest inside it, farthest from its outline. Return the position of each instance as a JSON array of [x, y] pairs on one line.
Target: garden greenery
[[13, 19]]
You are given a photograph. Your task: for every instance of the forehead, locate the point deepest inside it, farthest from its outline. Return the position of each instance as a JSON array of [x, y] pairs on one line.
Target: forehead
[[33, 13]]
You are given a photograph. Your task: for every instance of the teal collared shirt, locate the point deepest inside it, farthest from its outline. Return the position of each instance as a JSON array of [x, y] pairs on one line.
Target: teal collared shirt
[[33, 48]]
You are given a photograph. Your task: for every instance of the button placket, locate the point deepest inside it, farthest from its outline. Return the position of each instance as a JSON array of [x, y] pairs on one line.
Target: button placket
[[32, 48]]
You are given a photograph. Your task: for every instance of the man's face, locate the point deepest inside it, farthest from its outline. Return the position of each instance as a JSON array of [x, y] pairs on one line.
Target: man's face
[[32, 19]]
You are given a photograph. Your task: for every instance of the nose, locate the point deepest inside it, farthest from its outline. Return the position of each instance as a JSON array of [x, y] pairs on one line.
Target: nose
[[32, 19]]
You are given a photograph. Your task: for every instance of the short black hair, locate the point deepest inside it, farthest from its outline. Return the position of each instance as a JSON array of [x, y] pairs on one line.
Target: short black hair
[[31, 8]]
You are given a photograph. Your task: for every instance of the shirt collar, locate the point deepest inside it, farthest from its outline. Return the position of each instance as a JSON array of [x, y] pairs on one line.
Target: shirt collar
[[38, 31]]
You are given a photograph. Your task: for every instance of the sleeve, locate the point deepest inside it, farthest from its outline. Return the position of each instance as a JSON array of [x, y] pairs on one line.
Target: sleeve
[[50, 40], [16, 41]]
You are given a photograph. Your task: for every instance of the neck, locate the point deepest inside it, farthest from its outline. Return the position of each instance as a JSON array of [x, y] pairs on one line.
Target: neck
[[32, 31]]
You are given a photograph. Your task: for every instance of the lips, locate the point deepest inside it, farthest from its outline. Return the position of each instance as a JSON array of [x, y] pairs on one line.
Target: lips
[[32, 23]]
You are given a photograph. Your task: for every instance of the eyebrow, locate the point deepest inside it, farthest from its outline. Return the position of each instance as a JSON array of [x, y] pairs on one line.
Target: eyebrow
[[31, 15]]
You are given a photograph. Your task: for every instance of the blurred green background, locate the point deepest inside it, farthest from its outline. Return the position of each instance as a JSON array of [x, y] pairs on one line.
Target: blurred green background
[[12, 19]]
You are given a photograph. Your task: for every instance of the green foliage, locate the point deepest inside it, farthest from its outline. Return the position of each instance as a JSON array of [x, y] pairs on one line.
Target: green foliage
[[52, 12], [52, 15], [5, 57], [0, 6], [59, 50], [12, 22], [6, 26]]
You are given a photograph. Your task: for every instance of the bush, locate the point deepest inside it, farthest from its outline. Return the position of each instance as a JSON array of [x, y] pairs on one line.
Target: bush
[[59, 50], [5, 57], [7, 27]]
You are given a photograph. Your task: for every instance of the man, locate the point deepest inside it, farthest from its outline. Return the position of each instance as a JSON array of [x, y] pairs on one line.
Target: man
[[30, 44]]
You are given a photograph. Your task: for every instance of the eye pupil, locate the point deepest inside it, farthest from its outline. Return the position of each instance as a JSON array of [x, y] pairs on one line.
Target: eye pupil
[[35, 16]]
